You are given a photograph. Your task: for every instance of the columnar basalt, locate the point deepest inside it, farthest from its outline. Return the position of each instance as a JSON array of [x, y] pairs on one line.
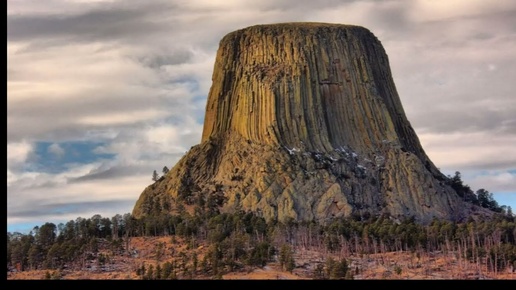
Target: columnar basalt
[[303, 121]]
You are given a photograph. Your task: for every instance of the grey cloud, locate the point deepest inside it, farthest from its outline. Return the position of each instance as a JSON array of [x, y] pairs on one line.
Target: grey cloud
[[306, 5], [391, 18], [498, 163], [460, 30], [126, 170], [155, 60], [110, 173], [471, 119], [55, 210], [26, 183], [509, 126], [106, 23], [483, 36], [28, 117], [467, 88], [466, 112], [508, 162], [13, 74], [495, 16]]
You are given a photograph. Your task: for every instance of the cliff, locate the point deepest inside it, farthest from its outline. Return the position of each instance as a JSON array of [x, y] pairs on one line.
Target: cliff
[[303, 121]]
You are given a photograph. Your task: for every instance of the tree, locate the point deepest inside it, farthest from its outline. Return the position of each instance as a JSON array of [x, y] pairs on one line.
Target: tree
[[485, 198], [214, 256], [158, 272], [195, 261], [69, 231], [260, 255], [140, 271], [336, 269], [330, 264], [150, 273], [159, 251], [166, 270], [319, 272], [462, 189], [287, 258], [105, 227], [35, 256], [155, 176], [46, 235], [53, 254], [116, 226], [94, 226], [165, 170], [340, 269], [19, 251]]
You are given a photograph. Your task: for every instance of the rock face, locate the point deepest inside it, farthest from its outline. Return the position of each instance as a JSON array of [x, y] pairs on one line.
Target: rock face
[[303, 121]]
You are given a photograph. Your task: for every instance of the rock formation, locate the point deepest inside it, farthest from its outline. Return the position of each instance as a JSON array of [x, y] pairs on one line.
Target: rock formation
[[303, 121]]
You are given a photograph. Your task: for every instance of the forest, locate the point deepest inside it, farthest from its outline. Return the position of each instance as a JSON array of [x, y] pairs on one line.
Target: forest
[[242, 239]]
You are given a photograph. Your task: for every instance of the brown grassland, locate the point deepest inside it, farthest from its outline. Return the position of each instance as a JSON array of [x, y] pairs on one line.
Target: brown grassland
[[379, 266]]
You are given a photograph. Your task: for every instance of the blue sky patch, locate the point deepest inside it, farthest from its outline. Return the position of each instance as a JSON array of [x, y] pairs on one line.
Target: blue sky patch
[[55, 157], [57, 213], [506, 198]]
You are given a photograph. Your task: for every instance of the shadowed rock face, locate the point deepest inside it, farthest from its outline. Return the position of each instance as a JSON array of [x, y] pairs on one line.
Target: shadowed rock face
[[303, 121]]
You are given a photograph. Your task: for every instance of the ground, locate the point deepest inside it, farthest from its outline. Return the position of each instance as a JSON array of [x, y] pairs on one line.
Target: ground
[[388, 266]]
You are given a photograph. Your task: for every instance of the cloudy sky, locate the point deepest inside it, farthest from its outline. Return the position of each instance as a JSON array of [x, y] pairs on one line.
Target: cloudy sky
[[103, 92]]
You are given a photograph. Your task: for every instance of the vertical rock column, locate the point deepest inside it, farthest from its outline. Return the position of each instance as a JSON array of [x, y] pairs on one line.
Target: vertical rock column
[[317, 86]]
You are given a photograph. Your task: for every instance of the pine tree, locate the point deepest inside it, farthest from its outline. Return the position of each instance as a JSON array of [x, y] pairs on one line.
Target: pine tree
[[155, 176], [287, 258], [339, 269], [158, 272], [319, 272], [150, 273], [330, 264]]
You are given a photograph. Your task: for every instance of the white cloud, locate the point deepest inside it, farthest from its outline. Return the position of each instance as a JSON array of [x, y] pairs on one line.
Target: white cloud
[[18, 152], [498, 181], [122, 118], [167, 138], [69, 69], [430, 10], [56, 150], [220, 5], [479, 150]]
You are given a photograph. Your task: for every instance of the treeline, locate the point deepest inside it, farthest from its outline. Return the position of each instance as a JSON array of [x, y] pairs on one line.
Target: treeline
[[244, 239], [50, 247], [481, 197]]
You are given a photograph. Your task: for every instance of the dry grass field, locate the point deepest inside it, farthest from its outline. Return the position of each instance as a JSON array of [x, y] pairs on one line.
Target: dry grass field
[[381, 266]]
